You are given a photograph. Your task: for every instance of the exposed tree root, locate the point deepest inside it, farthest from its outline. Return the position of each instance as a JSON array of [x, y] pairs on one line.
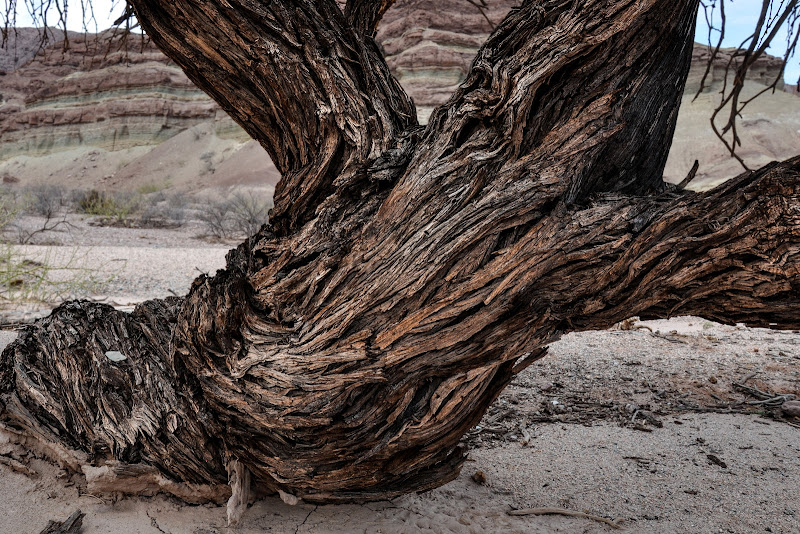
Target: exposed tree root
[[569, 513], [240, 491], [145, 480]]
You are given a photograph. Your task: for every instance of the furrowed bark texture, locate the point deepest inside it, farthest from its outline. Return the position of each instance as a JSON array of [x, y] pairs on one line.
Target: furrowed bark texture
[[366, 14], [344, 351], [128, 410]]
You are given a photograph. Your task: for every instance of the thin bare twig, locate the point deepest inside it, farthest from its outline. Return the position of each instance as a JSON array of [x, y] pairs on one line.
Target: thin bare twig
[[715, 52], [481, 7], [49, 225], [689, 177], [568, 513], [771, 19]]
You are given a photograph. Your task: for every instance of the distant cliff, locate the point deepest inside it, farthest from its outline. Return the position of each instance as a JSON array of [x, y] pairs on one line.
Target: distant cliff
[[106, 106], [106, 113], [429, 47], [22, 44], [98, 93]]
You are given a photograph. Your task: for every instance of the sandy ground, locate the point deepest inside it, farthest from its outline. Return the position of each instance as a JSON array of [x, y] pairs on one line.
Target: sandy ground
[[769, 129], [196, 158], [117, 266], [663, 428]]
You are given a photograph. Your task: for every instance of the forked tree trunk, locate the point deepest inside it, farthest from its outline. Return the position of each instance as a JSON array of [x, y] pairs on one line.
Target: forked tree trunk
[[408, 273]]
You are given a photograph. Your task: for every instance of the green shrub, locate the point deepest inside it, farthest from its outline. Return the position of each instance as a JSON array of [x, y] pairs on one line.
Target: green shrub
[[152, 187], [118, 207], [45, 278]]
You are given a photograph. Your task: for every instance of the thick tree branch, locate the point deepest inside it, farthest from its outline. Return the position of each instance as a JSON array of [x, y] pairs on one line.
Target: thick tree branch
[[365, 15], [550, 62], [427, 341], [345, 360], [730, 255], [297, 78], [364, 396]]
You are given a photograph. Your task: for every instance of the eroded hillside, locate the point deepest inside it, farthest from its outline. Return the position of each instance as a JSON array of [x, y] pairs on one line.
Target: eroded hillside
[[108, 116]]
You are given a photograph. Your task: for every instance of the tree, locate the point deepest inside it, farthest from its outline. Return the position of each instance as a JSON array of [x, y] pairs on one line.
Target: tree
[[407, 273]]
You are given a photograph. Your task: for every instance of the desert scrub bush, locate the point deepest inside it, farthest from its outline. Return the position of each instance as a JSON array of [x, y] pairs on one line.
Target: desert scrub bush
[[94, 202], [249, 211], [39, 277], [49, 202], [169, 212], [216, 218], [115, 208], [241, 214], [9, 208], [43, 278], [45, 200]]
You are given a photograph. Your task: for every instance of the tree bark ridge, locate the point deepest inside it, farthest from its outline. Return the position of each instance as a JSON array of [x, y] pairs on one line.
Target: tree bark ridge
[[551, 63], [366, 14], [345, 349], [60, 374]]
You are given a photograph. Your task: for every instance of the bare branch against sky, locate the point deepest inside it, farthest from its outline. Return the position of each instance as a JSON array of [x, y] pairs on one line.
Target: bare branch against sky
[[741, 19]]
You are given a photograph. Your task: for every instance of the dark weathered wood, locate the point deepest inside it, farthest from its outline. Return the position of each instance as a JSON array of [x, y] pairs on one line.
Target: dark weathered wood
[[124, 410], [366, 14], [410, 273], [390, 378], [72, 525]]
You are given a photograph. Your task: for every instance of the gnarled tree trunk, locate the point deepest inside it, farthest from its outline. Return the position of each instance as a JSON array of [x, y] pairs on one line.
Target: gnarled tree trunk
[[408, 273]]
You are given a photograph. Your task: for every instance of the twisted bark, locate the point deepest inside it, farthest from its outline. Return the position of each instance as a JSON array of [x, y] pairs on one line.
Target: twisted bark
[[366, 14], [346, 348]]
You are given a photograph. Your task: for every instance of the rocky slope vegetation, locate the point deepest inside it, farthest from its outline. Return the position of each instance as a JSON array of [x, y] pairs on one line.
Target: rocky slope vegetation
[[108, 116]]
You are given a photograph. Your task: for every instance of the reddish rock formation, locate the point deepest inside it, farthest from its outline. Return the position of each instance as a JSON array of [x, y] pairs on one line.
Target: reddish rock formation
[[429, 45], [20, 45], [764, 71], [99, 96], [97, 93]]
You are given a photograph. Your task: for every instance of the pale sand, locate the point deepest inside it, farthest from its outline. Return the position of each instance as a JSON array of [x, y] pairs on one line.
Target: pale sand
[[569, 466]]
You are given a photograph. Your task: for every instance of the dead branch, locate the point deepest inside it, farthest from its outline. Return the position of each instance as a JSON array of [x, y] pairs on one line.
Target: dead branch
[[71, 525], [569, 513]]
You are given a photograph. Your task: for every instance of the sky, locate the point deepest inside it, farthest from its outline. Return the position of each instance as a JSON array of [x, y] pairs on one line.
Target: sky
[[741, 19], [105, 13]]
